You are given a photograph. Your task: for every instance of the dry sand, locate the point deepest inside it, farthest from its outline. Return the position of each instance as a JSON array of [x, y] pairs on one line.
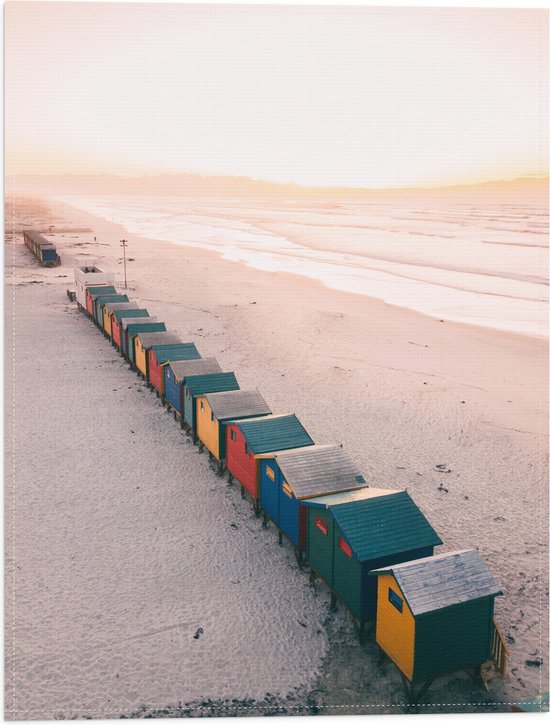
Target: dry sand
[[119, 537]]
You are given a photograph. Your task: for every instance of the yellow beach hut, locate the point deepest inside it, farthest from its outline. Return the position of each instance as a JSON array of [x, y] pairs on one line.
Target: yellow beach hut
[[435, 616], [215, 409], [145, 340]]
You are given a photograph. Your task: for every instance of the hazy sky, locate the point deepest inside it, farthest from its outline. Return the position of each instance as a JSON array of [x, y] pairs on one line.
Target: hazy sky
[[322, 96]]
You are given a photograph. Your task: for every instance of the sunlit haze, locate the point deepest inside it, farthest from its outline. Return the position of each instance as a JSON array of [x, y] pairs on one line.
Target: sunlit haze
[[356, 96]]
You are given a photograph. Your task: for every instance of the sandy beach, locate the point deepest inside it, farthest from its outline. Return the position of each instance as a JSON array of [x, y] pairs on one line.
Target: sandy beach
[[122, 542]]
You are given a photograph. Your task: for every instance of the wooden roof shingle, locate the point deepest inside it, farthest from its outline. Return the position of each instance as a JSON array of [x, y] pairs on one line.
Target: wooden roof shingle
[[441, 581]]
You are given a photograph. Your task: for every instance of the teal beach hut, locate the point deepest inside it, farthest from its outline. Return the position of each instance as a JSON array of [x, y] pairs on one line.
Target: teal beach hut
[[195, 386], [350, 534], [131, 327]]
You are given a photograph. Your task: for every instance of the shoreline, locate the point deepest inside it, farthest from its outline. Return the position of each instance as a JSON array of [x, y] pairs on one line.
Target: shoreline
[[420, 280], [396, 387], [113, 229]]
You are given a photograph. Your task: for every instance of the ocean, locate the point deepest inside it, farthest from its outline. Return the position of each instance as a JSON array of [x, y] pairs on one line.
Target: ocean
[[484, 264]]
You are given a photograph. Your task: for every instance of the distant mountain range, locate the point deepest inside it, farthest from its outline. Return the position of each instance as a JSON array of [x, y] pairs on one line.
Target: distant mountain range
[[197, 185]]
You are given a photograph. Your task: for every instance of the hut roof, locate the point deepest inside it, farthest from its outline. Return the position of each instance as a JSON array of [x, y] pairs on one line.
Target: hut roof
[[148, 339], [104, 289], [274, 433], [36, 237], [379, 522], [183, 368], [319, 470], [211, 383], [441, 581], [178, 351], [113, 297], [112, 306], [131, 312], [126, 321], [237, 404]]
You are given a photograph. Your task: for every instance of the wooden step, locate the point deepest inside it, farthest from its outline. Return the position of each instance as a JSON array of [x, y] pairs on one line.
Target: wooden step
[[489, 675]]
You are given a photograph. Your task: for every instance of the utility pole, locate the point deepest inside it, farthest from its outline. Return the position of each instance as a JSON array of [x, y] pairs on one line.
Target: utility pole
[[124, 244]]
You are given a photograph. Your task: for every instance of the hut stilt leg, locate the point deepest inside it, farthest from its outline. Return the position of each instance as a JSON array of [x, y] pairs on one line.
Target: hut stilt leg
[[175, 415], [256, 507], [201, 447], [413, 691], [221, 469], [280, 538], [242, 491], [230, 479], [362, 632], [299, 559], [264, 521], [333, 601], [312, 577]]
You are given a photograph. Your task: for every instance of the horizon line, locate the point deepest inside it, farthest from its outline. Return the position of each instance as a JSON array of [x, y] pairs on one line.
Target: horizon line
[[261, 181]]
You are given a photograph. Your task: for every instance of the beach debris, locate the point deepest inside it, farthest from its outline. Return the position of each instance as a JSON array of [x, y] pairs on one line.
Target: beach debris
[[198, 633], [418, 344], [442, 468], [234, 526], [534, 663], [499, 518], [401, 468], [442, 488], [301, 623]]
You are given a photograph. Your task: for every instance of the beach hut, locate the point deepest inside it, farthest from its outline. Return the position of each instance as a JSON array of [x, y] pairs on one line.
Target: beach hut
[[99, 303], [109, 307], [87, 273], [214, 410], [91, 294], [144, 341], [246, 440], [288, 478], [175, 373], [131, 327], [116, 322], [48, 254], [158, 356], [435, 616], [196, 386], [349, 534], [43, 249]]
